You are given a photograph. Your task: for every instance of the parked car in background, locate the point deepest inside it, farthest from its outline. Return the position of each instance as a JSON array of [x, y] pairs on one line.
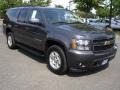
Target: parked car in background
[[101, 24], [115, 24], [97, 23]]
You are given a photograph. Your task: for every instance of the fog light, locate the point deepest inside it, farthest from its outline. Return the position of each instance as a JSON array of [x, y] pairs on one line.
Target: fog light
[[83, 66], [80, 64], [115, 46]]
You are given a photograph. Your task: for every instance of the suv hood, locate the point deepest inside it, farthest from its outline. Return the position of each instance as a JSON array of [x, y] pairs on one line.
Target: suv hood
[[86, 31]]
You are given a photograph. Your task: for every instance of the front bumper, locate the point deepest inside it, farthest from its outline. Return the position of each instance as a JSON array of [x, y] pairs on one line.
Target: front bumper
[[89, 59]]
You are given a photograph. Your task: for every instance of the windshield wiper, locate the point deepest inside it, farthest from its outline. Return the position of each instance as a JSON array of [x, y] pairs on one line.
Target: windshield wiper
[[60, 22], [68, 23], [76, 22]]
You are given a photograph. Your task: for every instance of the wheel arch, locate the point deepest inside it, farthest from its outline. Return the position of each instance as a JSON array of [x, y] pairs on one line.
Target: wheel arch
[[8, 30], [59, 43]]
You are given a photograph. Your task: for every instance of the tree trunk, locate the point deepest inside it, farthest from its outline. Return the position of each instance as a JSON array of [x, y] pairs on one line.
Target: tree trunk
[[86, 18]]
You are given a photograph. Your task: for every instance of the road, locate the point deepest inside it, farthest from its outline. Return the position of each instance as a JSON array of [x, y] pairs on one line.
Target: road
[[20, 70]]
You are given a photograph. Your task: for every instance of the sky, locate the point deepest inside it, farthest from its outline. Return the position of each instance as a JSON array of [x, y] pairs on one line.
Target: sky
[[64, 3]]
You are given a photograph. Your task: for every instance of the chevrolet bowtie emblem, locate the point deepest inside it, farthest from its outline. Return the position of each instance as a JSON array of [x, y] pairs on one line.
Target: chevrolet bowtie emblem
[[107, 43]]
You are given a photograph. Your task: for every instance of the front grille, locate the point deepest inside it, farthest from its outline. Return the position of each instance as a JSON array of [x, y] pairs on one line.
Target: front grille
[[100, 45]]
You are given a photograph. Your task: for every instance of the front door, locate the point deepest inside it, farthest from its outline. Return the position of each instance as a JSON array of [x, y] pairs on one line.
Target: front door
[[35, 29]]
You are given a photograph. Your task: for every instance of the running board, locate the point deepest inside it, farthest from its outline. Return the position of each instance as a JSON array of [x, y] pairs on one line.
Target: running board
[[37, 53]]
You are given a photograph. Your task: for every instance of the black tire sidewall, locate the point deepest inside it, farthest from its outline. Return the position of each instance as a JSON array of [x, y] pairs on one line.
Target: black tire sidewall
[[13, 41], [63, 67]]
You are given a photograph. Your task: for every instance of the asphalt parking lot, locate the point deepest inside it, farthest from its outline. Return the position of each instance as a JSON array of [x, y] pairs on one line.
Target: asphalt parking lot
[[20, 70]]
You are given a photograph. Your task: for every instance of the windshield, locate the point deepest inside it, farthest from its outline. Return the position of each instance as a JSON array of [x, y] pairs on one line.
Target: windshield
[[61, 16]]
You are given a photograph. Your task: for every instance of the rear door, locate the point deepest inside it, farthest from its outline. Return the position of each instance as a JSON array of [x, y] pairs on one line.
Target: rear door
[[21, 32], [10, 19]]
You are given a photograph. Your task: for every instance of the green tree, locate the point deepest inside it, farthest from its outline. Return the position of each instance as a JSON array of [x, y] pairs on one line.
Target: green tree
[[83, 14], [59, 6], [103, 12], [116, 7], [87, 5], [5, 4], [40, 2]]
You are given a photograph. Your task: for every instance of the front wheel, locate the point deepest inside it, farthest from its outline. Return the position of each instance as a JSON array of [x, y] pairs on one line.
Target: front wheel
[[10, 41], [56, 60]]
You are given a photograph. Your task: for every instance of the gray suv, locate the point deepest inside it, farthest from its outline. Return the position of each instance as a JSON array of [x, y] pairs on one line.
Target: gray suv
[[59, 34]]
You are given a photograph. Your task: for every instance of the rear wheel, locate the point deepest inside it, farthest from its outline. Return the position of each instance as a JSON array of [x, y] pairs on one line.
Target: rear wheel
[[56, 60], [10, 41]]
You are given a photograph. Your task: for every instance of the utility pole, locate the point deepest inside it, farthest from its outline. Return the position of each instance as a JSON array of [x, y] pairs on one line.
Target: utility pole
[[70, 4], [110, 17]]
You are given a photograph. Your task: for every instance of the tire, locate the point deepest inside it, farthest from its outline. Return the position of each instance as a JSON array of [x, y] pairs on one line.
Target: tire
[[56, 55], [11, 41], [106, 27]]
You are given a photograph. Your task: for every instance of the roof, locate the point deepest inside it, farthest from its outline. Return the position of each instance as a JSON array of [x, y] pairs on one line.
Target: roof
[[36, 7]]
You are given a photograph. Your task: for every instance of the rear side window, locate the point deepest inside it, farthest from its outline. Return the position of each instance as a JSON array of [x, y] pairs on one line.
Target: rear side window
[[35, 14], [13, 14], [23, 14]]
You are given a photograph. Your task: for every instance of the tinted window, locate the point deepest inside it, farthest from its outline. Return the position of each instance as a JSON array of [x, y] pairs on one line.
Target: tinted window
[[107, 21], [35, 14], [61, 15], [23, 15], [13, 14]]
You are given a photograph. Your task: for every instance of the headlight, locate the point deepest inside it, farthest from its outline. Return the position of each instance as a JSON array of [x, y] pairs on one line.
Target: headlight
[[80, 44]]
